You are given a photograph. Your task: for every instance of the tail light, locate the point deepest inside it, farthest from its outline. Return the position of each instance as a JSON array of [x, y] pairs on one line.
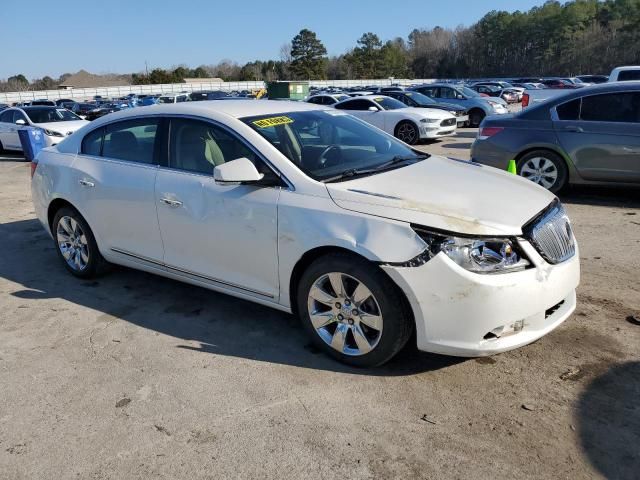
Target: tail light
[[486, 132], [525, 100], [33, 168]]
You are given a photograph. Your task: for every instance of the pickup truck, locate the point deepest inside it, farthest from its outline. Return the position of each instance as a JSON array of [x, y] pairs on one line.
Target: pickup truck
[[532, 97]]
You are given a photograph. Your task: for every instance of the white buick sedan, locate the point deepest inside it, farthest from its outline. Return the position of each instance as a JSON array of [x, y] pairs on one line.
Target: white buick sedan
[[312, 211]]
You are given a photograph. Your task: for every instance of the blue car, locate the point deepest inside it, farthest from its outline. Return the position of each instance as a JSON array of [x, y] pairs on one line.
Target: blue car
[[477, 105]]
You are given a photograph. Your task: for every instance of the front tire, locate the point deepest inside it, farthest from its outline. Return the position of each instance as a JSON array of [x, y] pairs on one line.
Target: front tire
[[544, 167], [75, 244], [353, 311], [407, 132], [475, 117]]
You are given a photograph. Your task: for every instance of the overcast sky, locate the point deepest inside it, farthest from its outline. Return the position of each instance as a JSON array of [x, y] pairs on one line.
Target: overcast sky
[[44, 37]]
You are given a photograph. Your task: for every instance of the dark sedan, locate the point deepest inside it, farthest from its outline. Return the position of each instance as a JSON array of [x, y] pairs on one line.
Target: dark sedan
[[586, 136], [103, 110], [418, 100]]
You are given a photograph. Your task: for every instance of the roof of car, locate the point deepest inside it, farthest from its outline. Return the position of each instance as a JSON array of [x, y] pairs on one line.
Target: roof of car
[[237, 109]]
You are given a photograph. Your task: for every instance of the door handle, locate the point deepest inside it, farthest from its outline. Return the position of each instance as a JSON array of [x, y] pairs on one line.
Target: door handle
[[171, 203], [86, 183], [574, 128]]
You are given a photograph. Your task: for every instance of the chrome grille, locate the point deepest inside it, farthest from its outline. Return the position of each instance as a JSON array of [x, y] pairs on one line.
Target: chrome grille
[[552, 236]]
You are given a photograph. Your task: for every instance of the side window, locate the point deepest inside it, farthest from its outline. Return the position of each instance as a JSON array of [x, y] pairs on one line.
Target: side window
[[569, 110], [17, 115], [131, 140], [433, 92], [7, 117], [199, 147], [181, 98], [626, 75], [356, 105], [611, 107], [315, 100], [446, 92], [92, 143]]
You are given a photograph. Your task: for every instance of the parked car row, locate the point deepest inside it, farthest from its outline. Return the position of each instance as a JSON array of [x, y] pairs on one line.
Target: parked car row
[[584, 136]]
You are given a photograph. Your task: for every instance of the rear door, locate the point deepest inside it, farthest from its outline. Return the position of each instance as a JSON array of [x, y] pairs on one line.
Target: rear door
[[114, 176], [601, 134]]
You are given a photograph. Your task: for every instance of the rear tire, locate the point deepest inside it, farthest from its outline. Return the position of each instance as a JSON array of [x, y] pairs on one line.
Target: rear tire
[[475, 117], [407, 132], [366, 323], [546, 168], [75, 244]]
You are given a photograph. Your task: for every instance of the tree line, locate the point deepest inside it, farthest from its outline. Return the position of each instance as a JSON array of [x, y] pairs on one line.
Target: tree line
[[577, 37]]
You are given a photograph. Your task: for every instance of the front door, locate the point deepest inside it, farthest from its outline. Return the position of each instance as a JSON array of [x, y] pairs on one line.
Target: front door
[[224, 235]]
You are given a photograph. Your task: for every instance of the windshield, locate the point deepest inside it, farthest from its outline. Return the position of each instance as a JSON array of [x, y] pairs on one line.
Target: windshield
[[327, 143], [421, 99], [46, 115], [389, 103], [468, 92]]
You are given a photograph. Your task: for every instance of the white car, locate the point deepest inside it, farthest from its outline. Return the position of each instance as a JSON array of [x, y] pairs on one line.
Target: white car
[[409, 124], [174, 98], [327, 98], [56, 123], [312, 211]]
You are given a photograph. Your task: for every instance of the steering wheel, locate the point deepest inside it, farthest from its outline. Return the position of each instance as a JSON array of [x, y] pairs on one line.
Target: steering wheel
[[324, 160]]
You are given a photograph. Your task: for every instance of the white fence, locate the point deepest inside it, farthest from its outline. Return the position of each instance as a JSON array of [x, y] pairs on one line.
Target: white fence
[[109, 92]]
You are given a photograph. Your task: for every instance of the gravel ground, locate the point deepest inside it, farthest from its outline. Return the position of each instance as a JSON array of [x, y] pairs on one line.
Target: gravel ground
[[134, 376]]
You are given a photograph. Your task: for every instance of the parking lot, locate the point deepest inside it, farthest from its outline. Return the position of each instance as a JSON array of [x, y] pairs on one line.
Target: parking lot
[[136, 376]]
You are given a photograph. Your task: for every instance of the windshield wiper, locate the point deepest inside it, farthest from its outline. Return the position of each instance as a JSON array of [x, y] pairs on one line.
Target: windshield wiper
[[399, 159], [357, 172]]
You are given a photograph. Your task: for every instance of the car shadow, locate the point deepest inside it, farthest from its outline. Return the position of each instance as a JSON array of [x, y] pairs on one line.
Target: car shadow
[[472, 134], [220, 324], [625, 197], [461, 146], [608, 418], [11, 157]]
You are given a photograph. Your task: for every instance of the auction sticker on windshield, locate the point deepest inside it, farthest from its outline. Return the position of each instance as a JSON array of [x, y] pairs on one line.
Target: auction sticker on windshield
[[272, 122]]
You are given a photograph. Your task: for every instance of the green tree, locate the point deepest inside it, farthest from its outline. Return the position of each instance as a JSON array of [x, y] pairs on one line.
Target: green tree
[[308, 56]]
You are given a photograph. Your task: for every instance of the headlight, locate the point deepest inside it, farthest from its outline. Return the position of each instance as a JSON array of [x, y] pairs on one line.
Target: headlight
[[51, 133], [478, 255], [430, 120]]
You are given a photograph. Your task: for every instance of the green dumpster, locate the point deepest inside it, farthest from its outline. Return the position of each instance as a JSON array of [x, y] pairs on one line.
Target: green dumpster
[[288, 90]]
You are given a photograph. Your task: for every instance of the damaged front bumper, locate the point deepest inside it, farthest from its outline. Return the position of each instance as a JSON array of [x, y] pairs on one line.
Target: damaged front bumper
[[466, 314]]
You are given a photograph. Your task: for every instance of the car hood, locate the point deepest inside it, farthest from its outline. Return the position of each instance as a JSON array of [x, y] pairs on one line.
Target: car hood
[[446, 194], [63, 127]]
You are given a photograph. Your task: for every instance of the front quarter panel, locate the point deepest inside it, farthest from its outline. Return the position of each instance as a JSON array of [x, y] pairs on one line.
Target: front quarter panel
[[307, 222]]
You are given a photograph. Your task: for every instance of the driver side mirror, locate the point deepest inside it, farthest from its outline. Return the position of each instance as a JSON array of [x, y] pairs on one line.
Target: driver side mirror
[[240, 170], [20, 122], [373, 109]]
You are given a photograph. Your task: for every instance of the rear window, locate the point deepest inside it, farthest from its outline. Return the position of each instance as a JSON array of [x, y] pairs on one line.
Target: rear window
[[627, 75]]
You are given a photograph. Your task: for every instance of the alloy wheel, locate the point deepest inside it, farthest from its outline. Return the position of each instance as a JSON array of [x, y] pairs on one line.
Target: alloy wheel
[[540, 170], [72, 243], [345, 313], [407, 133]]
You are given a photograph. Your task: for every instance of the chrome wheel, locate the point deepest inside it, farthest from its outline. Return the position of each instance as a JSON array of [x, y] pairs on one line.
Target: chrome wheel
[[72, 243], [540, 170], [407, 133], [345, 314]]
